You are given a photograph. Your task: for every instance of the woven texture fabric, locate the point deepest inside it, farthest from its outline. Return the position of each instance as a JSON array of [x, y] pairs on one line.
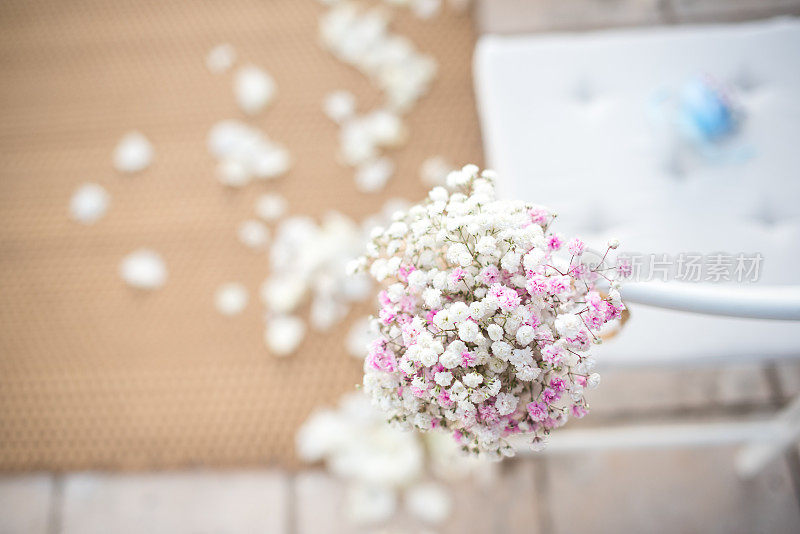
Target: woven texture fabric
[[94, 374]]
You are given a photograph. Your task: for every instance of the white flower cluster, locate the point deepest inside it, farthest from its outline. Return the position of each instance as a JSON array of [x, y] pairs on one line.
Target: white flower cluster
[[244, 152], [380, 462], [486, 319], [361, 38], [309, 262]]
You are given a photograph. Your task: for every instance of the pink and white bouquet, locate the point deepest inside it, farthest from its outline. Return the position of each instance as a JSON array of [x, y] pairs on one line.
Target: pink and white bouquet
[[486, 319]]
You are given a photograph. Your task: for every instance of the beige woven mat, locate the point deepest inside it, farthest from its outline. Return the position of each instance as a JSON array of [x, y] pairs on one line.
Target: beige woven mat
[[96, 375]]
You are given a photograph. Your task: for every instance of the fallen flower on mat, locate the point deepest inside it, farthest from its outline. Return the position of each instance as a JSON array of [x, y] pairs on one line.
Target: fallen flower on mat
[[284, 334], [486, 320], [309, 264], [244, 152], [253, 88], [88, 203], [253, 234], [143, 269], [231, 298], [271, 207], [221, 58], [339, 106], [133, 153]]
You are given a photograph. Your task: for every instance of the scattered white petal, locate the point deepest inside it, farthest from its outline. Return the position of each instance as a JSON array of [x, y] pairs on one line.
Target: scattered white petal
[[434, 171], [430, 502], [271, 207], [426, 9], [386, 128], [133, 153], [373, 175], [231, 298], [370, 504], [229, 138], [254, 89], [88, 203], [221, 58], [253, 234], [284, 293], [143, 269], [233, 173], [284, 334], [359, 337], [326, 311], [361, 38], [356, 142], [244, 152], [339, 106], [270, 161]]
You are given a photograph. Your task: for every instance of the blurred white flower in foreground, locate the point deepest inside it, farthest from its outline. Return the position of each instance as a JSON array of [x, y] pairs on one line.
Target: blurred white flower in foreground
[[359, 337], [379, 461]]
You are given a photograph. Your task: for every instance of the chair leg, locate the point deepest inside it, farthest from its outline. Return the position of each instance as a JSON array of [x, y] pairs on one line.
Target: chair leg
[[759, 452]]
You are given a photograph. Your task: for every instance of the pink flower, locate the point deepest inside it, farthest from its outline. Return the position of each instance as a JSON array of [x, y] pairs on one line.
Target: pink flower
[[538, 216], [467, 359], [552, 354], [594, 300], [507, 298], [624, 268], [488, 413], [557, 384], [418, 391], [404, 271], [537, 285], [537, 411], [559, 284], [576, 247], [457, 275], [549, 395], [444, 399], [387, 315], [578, 411], [554, 242], [489, 275]]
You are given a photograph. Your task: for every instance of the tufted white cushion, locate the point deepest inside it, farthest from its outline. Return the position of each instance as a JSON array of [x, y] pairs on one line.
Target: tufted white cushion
[[565, 121]]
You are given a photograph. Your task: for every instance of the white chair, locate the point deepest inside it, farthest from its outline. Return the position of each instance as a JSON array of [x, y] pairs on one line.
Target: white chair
[[565, 123]]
